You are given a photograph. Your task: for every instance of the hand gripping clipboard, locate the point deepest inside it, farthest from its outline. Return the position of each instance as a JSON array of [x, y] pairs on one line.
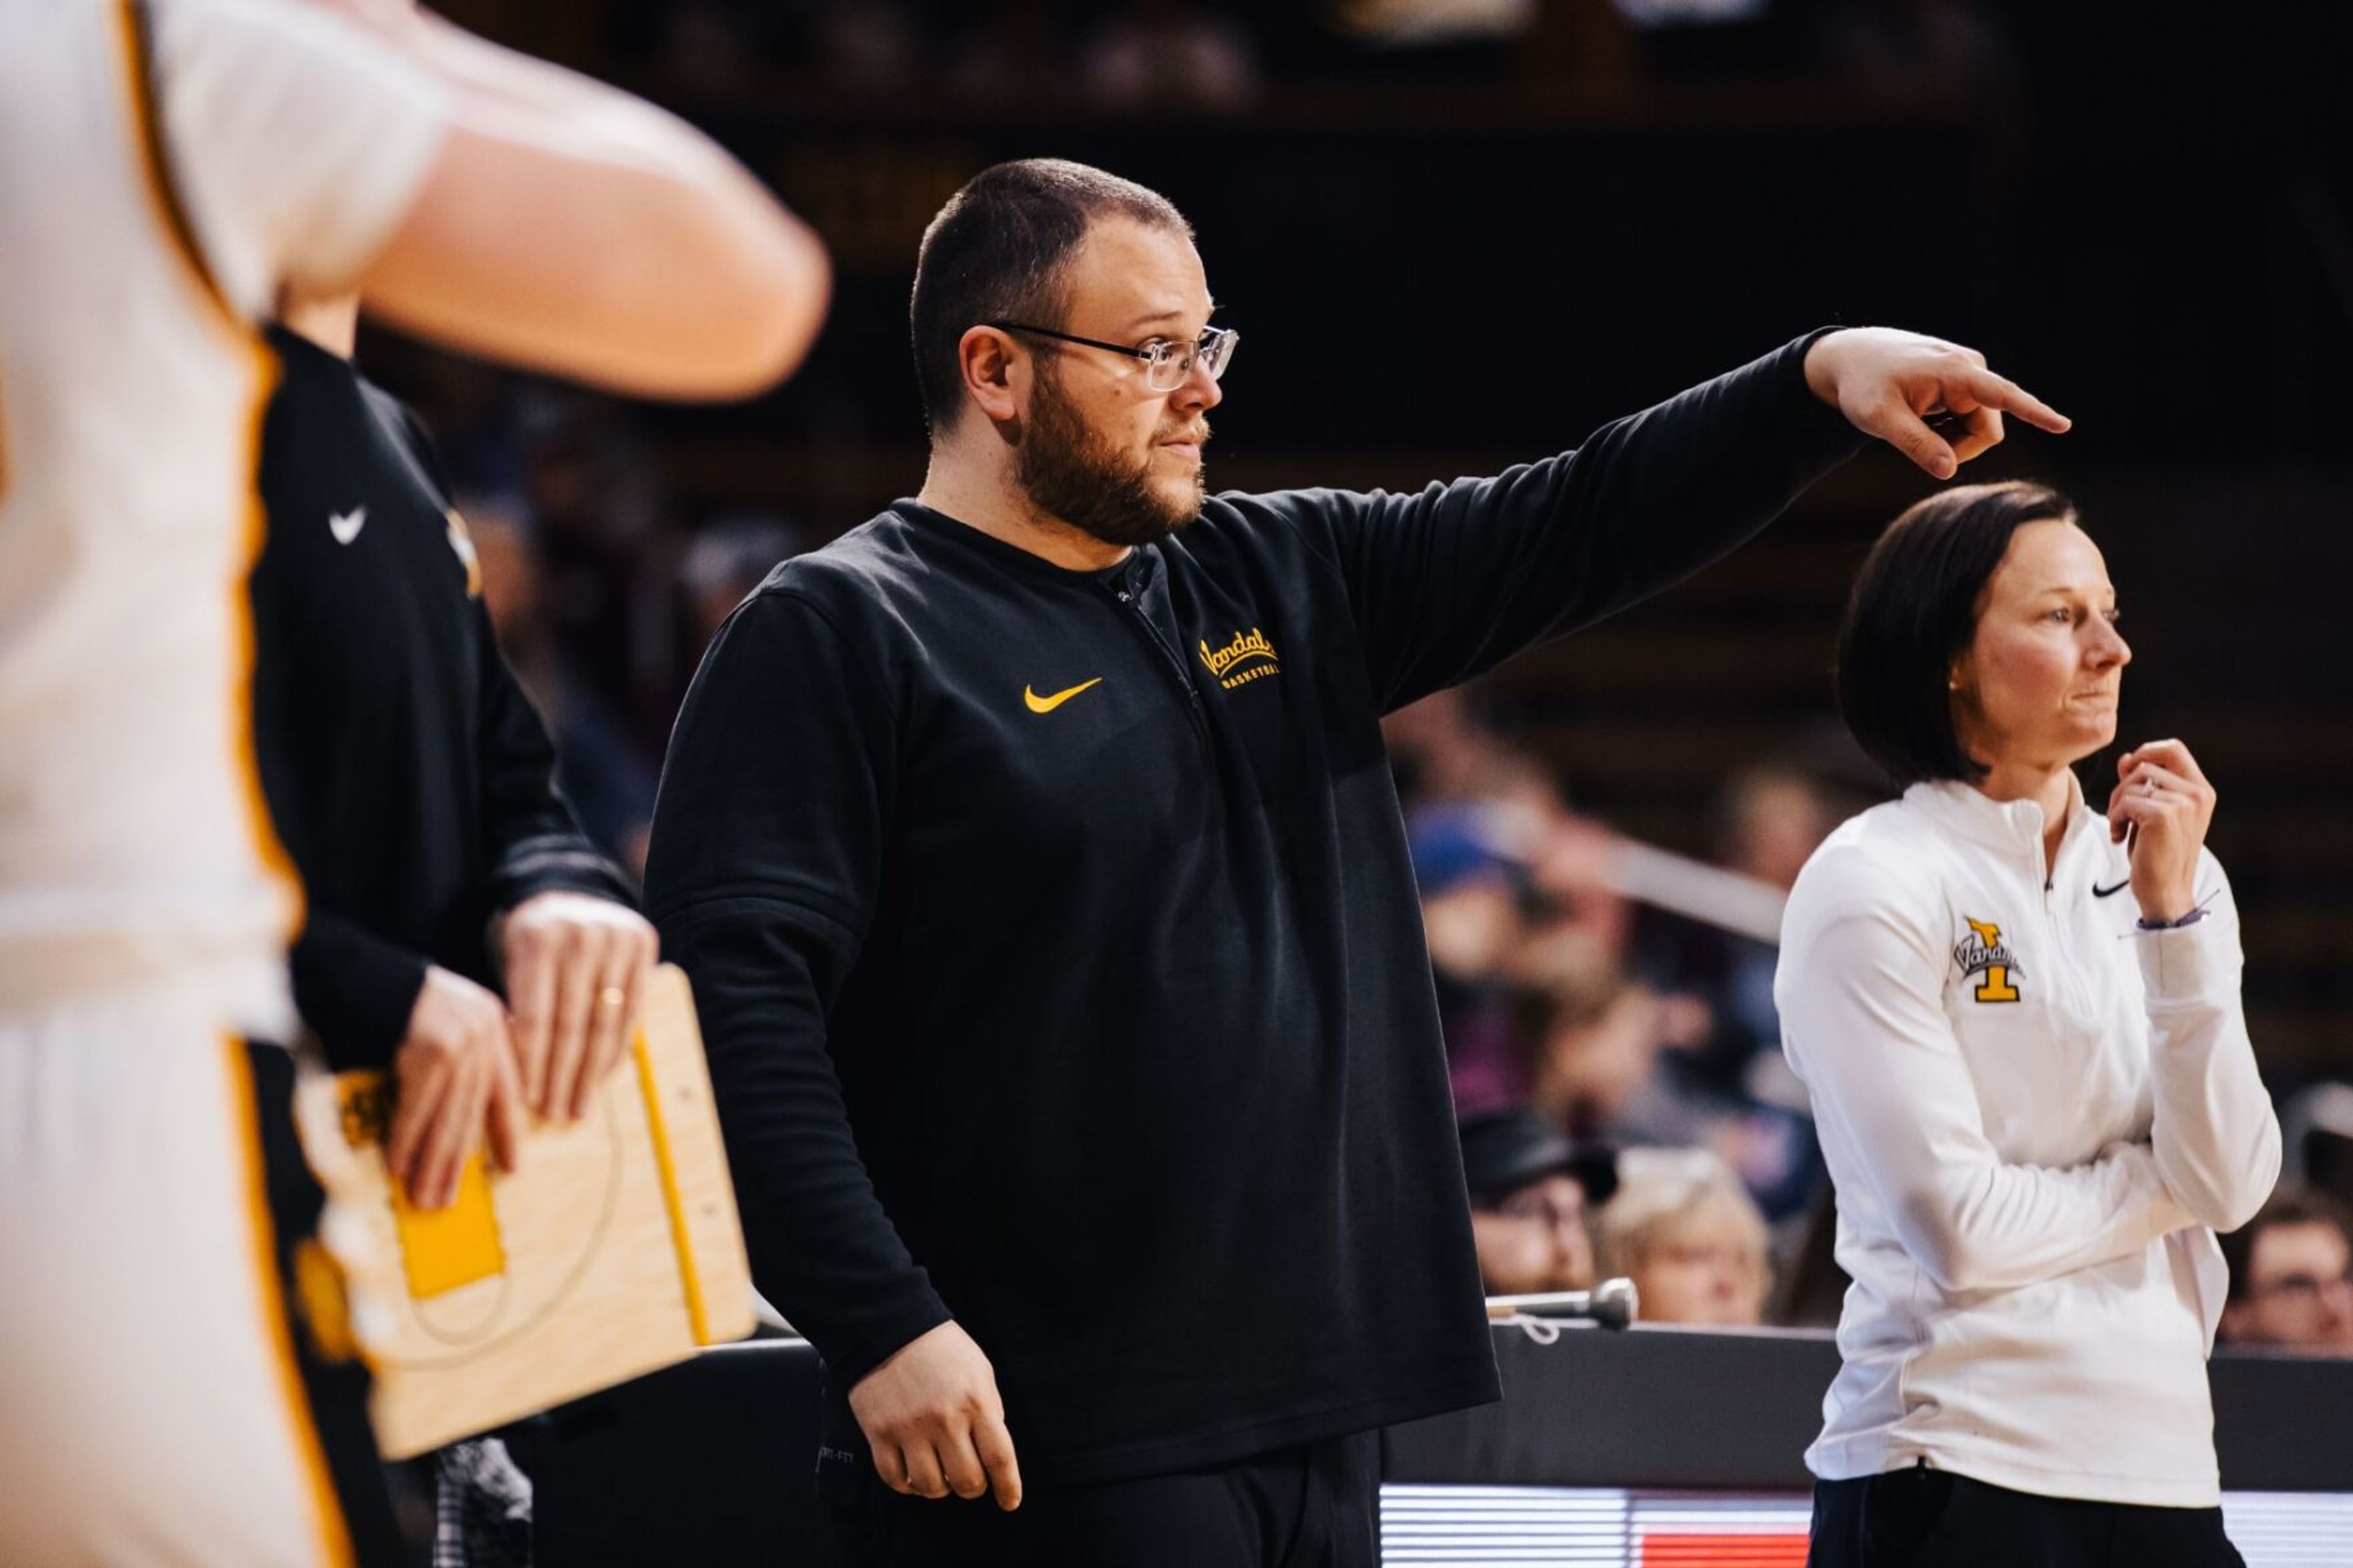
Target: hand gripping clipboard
[[613, 1250]]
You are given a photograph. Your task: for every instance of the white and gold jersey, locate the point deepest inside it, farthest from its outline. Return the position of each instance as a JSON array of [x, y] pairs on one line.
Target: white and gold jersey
[[162, 167]]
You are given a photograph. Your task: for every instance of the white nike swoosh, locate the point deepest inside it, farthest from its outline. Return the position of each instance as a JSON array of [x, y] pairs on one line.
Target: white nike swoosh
[[346, 525]]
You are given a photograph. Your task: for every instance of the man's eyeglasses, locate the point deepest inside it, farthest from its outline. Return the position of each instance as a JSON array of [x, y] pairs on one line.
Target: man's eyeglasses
[[1167, 363]]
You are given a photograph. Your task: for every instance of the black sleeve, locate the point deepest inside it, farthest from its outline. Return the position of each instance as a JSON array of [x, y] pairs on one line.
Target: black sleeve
[[1450, 582], [534, 841], [762, 876], [355, 990]]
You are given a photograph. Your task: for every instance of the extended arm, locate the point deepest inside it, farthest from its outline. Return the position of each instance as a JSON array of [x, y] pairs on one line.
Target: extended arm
[[1450, 581], [488, 201]]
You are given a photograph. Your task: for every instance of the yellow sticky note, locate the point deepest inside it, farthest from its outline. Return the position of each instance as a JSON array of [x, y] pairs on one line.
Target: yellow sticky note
[[441, 1249]]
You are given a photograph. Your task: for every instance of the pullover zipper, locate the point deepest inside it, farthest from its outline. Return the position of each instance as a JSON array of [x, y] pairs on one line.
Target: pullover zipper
[[1169, 660]]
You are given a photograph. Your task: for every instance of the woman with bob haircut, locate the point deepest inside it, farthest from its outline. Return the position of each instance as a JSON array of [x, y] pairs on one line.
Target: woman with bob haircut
[[2018, 1019]]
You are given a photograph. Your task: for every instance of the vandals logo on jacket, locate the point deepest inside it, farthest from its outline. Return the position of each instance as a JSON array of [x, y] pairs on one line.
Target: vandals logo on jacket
[[1242, 660], [1982, 952]]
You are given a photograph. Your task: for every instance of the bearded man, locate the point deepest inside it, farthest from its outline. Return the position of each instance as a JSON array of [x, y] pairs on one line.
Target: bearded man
[[1034, 854]]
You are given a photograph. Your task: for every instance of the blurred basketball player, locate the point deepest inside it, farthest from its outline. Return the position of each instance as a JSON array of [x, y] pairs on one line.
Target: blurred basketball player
[[164, 170]]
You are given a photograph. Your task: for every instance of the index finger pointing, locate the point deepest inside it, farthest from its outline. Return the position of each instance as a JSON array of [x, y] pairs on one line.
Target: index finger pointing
[[2001, 393], [994, 1446]]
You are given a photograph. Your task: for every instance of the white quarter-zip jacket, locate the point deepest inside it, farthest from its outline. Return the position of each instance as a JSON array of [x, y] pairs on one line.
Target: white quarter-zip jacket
[[2036, 1116]]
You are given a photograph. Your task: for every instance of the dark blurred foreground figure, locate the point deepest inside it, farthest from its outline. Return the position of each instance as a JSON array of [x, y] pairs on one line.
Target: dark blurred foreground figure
[[2018, 1015], [1034, 854], [2292, 1276], [413, 786]]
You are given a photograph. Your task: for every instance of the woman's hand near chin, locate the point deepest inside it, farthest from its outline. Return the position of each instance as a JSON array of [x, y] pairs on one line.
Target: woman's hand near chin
[[2163, 798]]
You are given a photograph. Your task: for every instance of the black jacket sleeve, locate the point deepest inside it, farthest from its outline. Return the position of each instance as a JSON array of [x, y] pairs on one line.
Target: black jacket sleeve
[[355, 989], [534, 842], [1449, 583], [767, 847]]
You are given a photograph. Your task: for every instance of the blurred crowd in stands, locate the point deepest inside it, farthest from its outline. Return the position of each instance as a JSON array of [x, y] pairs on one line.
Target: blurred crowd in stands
[[1208, 56], [1625, 1106]]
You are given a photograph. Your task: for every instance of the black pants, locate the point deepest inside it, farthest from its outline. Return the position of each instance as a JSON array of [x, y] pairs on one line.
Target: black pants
[[1920, 1517], [1312, 1506]]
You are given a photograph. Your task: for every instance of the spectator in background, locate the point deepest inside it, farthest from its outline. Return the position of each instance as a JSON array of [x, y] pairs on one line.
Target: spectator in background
[[610, 787], [1769, 819], [1598, 1044], [1514, 899], [1531, 1190], [1450, 749], [592, 491], [2292, 1276], [1164, 54], [1682, 1227], [726, 561]]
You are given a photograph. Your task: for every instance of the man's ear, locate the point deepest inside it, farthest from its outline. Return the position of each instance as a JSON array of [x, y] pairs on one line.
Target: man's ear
[[994, 375]]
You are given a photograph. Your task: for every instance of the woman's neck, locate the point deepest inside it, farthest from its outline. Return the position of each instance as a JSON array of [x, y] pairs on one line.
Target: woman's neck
[[2047, 785]]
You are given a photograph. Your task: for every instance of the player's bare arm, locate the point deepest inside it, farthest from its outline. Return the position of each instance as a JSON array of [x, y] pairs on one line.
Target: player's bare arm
[[572, 229]]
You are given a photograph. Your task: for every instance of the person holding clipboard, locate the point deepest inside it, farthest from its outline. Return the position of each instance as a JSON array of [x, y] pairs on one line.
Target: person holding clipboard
[[2018, 1015]]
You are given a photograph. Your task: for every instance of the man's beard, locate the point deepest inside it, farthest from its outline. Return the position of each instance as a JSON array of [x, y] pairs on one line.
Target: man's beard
[[1070, 473]]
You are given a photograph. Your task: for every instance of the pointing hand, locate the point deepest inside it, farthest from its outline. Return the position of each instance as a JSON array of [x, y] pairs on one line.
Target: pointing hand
[[1890, 384]]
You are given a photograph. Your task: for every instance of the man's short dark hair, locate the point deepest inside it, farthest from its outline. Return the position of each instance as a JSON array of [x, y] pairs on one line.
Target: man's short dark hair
[[1915, 610], [2291, 1204], [997, 251]]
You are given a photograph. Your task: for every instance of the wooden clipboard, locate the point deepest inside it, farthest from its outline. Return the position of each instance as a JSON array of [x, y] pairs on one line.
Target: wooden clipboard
[[615, 1249]]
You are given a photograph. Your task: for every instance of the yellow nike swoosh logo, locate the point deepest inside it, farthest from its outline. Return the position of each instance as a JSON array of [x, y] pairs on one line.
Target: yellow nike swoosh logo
[[1048, 704]]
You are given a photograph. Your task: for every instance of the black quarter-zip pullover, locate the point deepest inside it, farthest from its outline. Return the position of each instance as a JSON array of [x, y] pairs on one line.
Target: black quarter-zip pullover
[[406, 774], [1057, 945]]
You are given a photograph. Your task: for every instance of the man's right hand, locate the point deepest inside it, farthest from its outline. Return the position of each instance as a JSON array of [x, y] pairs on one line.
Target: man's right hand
[[1890, 384], [456, 1071], [932, 1417]]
